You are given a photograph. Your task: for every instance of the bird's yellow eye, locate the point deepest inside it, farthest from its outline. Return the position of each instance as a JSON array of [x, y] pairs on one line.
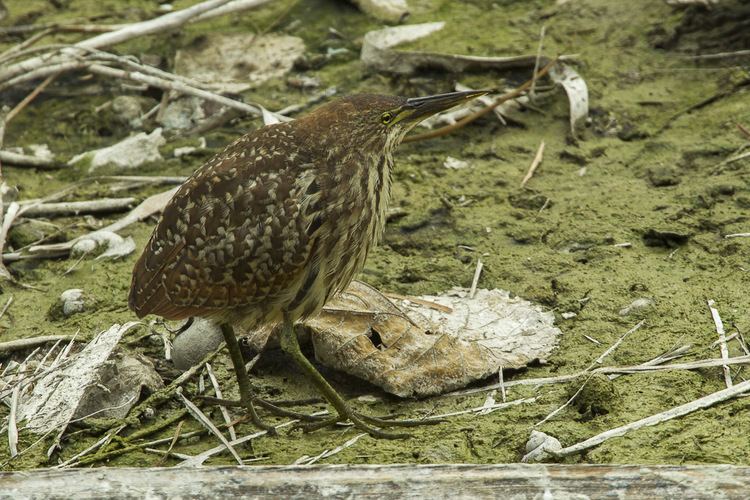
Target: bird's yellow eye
[[386, 118]]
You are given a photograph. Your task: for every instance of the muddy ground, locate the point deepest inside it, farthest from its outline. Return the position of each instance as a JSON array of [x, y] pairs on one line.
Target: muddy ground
[[646, 170]]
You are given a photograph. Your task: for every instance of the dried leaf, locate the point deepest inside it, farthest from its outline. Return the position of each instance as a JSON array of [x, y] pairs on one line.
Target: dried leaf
[[575, 87], [56, 396], [433, 344]]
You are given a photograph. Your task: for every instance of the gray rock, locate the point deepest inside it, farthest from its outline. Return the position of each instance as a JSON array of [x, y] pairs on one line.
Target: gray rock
[[192, 345]]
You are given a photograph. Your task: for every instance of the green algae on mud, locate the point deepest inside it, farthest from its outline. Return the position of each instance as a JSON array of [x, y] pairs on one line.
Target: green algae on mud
[[642, 164]]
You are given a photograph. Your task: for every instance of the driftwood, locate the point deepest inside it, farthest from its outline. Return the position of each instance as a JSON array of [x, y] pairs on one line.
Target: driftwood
[[385, 481]]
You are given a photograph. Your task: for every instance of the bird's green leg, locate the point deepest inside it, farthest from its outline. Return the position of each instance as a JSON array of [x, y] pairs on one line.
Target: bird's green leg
[[290, 345], [247, 398], [246, 393]]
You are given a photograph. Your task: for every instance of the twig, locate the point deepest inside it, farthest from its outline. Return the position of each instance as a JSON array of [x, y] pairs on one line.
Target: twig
[[219, 395], [719, 55], [206, 422], [503, 394], [338, 449], [199, 459], [12, 427], [21, 344], [565, 405], [173, 442], [474, 116], [421, 302], [475, 281], [483, 410], [160, 24], [737, 235], [670, 414], [627, 370], [614, 346], [534, 164], [85, 452], [174, 85], [22, 160], [6, 306], [661, 358], [66, 208], [146, 208], [26, 43], [744, 130], [30, 97], [722, 341], [536, 63]]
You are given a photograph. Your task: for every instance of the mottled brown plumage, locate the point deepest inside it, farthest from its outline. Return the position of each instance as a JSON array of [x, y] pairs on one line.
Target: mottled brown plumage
[[270, 228]]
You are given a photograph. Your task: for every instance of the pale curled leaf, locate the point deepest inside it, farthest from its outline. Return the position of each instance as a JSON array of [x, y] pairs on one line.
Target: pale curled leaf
[[421, 349], [56, 397], [576, 89]]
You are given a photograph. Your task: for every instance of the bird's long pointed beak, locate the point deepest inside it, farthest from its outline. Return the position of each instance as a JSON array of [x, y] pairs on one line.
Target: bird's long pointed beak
[[423, 107]]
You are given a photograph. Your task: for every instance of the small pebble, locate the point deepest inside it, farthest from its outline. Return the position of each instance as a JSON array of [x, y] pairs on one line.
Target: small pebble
[[636, 306], [72, 301]]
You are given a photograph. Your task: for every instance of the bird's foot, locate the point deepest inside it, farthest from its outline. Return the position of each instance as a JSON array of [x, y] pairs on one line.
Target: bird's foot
[[371, 425], [272, 408]]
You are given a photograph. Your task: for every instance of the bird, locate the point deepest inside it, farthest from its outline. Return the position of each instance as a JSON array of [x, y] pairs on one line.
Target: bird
[[281, 220]]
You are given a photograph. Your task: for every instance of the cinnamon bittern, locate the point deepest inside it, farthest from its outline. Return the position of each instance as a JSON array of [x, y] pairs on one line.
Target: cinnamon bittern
[[283, 218]]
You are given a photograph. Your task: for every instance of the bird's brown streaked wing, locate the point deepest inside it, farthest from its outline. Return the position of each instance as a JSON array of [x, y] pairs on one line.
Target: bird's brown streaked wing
[[232, 236]]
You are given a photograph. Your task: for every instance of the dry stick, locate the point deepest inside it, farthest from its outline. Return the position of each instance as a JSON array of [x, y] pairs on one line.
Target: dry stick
[[338, 449], [22, 160], [737, 235], [745, 131], [8, 218], [220, 395], [146, 208], [614, 346], [32, 95], [628, 370], [475, 281], [26, 43], [43, 72], [83, 453], [175, 85], [102, 205], [566, 404], [675, 412], [478, 114], [722, 341], [719, 55], [200, 458], [483, 410], [534, 164], [6, 306], [206, 422], [173, 442], [502, 384], [661, 358], [152, 26], [536, 63], [230, 8], [12, 427]]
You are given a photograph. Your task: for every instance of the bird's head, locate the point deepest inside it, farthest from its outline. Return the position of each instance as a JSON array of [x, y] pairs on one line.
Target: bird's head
[[381, 121]]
